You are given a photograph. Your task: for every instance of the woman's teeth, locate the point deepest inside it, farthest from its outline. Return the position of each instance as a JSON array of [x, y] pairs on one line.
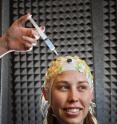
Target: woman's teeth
[[72, 110]]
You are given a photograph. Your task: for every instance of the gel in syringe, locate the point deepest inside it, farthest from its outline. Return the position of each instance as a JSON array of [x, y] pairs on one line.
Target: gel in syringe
[[43, 35]]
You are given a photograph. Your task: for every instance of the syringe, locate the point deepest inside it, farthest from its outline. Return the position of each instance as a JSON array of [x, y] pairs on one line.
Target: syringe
[[43, 35]]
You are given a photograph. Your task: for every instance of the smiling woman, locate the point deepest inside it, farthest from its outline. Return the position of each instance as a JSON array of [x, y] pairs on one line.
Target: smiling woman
[[68, 88]]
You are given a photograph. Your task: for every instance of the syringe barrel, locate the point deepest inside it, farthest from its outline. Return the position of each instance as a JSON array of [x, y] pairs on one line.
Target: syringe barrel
[[43, 35], [49, 44]]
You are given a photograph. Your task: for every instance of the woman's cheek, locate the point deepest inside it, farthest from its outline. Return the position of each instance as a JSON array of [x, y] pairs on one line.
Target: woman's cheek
[[58, 98], [86, 99]]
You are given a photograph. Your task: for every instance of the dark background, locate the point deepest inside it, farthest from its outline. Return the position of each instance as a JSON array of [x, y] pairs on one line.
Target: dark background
[[87, 28]]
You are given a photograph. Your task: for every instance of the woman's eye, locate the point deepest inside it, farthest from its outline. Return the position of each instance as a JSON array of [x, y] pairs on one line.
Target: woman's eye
[[82, 88], [63, 88]]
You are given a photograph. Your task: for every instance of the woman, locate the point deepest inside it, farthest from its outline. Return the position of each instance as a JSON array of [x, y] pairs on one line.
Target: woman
[[68, 88]]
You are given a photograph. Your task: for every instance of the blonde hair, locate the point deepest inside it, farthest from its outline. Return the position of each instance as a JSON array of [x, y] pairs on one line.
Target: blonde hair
[[90, 119]]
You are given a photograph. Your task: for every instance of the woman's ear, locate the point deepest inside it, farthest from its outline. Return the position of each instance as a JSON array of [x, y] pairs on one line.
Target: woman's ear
[[44, 91]]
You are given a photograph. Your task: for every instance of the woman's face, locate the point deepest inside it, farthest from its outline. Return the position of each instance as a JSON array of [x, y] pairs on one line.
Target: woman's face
[[71, 97]]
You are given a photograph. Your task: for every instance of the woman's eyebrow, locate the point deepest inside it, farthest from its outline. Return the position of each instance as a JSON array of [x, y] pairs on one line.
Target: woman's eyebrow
[[62, 82], [81, 82]]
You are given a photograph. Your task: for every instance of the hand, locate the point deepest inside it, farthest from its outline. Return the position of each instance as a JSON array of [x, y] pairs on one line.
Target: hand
[[19, 38]]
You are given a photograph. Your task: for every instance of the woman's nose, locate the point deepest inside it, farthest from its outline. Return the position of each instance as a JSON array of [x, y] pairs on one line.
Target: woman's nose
[[73, 96]]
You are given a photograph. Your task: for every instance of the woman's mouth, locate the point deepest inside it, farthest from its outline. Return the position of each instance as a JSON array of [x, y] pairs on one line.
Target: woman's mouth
[[72, 112]]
